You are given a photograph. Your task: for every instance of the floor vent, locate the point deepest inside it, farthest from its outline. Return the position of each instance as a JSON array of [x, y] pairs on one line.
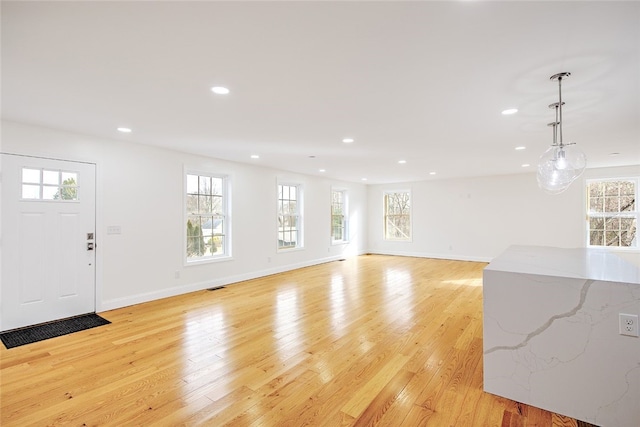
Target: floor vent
[[216, 288]]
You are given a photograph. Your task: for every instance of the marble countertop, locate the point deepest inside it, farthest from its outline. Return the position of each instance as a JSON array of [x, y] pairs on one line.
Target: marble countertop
[[580, 263]]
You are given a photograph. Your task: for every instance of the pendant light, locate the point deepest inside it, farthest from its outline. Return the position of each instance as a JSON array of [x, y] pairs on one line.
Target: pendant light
[[563, 162]]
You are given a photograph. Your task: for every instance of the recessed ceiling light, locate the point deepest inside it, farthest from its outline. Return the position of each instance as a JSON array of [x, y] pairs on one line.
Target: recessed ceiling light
[[402, 162], [432, 173], [348, 140], [521, 148], [614, 154], [526, 165], [124, 130], [364, 179], [509, 111], [322, 170], [255, 156], [220, 90]]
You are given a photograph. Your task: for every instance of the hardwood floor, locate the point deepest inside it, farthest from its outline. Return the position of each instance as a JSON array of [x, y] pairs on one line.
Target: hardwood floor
[[373, 340]]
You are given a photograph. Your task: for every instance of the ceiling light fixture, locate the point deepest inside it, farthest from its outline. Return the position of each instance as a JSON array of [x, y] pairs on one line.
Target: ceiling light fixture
[[521, 148], [255, 156], [348, 140], [509, 111], [402, 162], [563, 162], [220, 90], [432, 173], [124, 130], [526, 165], [322, 170]]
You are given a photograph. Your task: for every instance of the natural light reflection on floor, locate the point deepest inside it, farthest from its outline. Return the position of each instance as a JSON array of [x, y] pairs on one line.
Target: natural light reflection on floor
[[287, 325], [398, 281], [399, 287], [465, 282], [206, 332], [204, 348], [337, 304]]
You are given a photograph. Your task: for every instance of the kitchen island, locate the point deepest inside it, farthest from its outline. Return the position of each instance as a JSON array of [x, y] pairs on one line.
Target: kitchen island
[[551, 332]]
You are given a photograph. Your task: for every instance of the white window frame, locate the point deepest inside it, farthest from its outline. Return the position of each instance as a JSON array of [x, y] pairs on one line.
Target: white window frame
[[384, 216], [298, 214], [345, 215], [226, 219], [59, 185], [629, 214]]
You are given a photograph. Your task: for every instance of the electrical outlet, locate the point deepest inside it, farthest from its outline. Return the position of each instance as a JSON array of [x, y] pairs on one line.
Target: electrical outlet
[[629, 324]]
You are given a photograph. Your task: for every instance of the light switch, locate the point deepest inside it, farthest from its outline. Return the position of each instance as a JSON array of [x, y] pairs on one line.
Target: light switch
[[114, 229]]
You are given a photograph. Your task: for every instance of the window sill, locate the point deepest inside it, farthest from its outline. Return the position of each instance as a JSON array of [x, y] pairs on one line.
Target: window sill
[[285, 250], [632, 249], [208, 260]]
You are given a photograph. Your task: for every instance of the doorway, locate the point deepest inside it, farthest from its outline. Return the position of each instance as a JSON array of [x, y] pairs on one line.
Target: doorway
[[48, 240]]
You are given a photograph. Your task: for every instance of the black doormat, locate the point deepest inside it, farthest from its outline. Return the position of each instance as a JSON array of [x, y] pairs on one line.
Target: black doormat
[[54, 329]]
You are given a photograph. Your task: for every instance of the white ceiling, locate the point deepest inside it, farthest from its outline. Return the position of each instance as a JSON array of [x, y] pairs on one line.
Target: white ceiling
[[423, 82]]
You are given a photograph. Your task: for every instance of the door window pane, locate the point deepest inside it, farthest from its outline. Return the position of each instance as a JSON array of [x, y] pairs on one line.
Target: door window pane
[[51, 177], [30, 191], [69, 178], [50, 193], [30, 176]]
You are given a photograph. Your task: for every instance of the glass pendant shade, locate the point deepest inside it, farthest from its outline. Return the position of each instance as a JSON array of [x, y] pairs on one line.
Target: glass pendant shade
[[559, 166]]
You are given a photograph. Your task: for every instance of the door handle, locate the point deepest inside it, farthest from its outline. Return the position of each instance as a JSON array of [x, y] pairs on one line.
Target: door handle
[[90, 246]]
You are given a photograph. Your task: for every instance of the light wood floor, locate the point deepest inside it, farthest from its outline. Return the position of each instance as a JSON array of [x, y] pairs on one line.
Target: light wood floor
[[373, 340]]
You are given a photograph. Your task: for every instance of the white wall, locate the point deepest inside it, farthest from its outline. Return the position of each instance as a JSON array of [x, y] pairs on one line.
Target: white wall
[[478, 218], [140, 189]]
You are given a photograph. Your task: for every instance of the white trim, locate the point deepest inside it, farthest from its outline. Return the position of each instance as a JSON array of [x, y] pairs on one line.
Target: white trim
[[435, 255], [345, 211], [193, 287], [300, 215], [384, 215], [226, 203], [588, 215]]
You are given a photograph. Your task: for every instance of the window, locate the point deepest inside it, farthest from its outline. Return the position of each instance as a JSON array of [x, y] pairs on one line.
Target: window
[[397, 215], [338, 216], [207, 217], [612, 212], [289, 216], [46, 184]]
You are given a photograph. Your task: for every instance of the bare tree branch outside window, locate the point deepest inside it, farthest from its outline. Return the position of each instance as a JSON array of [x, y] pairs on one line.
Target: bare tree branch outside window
[[397, 216]]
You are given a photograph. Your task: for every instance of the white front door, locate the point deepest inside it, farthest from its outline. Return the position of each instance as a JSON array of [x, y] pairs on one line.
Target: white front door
[[48, 240]]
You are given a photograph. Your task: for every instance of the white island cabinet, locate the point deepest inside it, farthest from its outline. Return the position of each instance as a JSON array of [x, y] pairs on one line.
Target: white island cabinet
[[552, 332]]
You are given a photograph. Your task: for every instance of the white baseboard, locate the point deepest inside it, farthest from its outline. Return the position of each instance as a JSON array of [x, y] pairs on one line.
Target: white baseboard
[[193, 287], [435, 255]]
